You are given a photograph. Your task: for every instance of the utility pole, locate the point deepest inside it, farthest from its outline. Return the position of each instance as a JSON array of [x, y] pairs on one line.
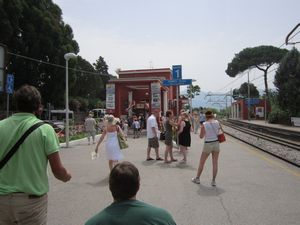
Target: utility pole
[[248, 96]]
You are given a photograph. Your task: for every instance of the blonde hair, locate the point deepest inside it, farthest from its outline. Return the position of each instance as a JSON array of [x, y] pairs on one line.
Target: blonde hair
[[110, 119]]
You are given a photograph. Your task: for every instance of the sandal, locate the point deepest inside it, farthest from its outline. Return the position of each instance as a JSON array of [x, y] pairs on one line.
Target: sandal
[[149, 159], [159, 159]]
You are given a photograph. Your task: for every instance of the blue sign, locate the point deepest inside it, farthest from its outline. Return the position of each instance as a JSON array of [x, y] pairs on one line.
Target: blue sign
[[252, 101], [176, 72], [177, 82], [10, 84]]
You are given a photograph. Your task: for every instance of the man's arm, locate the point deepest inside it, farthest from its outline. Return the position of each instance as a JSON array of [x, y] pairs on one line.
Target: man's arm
[[57, 168]]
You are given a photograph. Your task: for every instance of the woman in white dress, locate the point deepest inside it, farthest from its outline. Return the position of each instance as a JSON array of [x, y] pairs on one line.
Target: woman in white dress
[[112, 148]]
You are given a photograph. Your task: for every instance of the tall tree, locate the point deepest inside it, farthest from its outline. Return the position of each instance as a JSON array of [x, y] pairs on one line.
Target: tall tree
[[242, 92], [35, 29], [287, 82], [102, 68], [261, 57], [193, 90]]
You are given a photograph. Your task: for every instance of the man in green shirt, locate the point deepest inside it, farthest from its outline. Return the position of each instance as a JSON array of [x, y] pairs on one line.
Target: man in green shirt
[[124, 183], [23, 179]]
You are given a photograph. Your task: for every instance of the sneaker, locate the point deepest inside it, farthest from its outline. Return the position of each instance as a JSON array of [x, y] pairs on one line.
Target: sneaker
[[213, 183], [182, 161], [196, 180]]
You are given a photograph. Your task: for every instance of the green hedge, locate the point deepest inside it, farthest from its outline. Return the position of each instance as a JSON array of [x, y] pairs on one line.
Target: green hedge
[[280, 117]]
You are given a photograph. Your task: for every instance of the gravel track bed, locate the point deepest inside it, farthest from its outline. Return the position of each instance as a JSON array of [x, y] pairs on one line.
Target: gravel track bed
[[276, 149]]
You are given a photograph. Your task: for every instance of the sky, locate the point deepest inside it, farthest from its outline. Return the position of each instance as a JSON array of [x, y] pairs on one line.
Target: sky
[[202, 36]]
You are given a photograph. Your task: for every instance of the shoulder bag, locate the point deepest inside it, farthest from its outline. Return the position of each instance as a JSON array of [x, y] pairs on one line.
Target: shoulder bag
[[15, 148], [121, 139]]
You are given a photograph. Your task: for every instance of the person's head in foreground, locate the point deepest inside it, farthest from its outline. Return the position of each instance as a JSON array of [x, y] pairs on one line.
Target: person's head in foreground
[[124, 181], [28, 99]]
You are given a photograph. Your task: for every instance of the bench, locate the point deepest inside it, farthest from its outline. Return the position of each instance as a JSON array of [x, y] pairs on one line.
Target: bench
[[295, 121]]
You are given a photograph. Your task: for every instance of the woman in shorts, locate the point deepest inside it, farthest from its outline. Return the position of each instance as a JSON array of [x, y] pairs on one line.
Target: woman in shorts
[[209, 131]]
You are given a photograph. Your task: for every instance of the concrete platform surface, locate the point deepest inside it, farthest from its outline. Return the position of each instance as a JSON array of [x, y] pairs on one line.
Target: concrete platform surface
[[252, 187], [281, 126]]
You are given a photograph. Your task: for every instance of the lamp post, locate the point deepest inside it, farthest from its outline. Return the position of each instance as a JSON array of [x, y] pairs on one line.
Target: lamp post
[[67, 57]]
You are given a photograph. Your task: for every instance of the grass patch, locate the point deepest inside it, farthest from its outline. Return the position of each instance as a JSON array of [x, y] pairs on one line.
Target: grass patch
[[72, 138]]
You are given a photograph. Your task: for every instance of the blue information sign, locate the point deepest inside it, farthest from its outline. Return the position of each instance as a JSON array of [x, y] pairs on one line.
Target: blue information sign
[[10, 84], [176, 72], [177, 82]]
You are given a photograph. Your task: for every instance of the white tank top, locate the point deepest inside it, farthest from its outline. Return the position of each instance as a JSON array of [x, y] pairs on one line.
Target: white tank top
[[211, 130]]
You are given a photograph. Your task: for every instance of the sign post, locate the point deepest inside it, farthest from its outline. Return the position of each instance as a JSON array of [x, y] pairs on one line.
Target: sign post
[[9, 90], [177, 75]]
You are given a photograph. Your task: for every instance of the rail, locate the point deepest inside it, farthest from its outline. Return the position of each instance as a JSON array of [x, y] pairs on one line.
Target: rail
[[274, 143]]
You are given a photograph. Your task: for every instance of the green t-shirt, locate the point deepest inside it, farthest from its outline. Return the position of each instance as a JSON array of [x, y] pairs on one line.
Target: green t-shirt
[[131, 212], [26, 171]]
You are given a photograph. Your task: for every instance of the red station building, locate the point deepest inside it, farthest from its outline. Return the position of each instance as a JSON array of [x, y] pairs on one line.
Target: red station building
[[138, 92], [239, 109]]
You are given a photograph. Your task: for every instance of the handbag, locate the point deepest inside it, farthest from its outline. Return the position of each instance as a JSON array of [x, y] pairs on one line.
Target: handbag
[[122, 142], [16, 146], [162, 136], [121, 139], [221, 137]]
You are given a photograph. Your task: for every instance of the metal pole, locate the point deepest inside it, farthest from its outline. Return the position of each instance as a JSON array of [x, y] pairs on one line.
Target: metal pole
[[49, 111], [7, 106], [265, 108], [177, 101], [248, 97], [231, 111], [226, 111], [67, 105]]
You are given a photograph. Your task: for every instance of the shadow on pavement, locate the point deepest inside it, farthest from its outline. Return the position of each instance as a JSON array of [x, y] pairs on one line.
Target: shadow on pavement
[[209, 190], [149, 163], [101, 183]]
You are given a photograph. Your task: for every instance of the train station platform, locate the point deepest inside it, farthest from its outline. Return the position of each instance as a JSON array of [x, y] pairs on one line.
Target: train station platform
[[252, 187], [265, 123]]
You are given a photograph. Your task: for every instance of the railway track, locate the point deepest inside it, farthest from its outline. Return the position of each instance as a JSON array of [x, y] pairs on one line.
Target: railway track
[[276, 145]]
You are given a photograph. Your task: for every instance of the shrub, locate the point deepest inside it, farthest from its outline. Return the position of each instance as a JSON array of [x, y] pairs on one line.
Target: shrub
[[279, 116]]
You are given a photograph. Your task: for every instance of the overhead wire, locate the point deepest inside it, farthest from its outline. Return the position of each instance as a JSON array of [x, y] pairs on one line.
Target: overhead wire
[[95, 73], [56, 65]]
